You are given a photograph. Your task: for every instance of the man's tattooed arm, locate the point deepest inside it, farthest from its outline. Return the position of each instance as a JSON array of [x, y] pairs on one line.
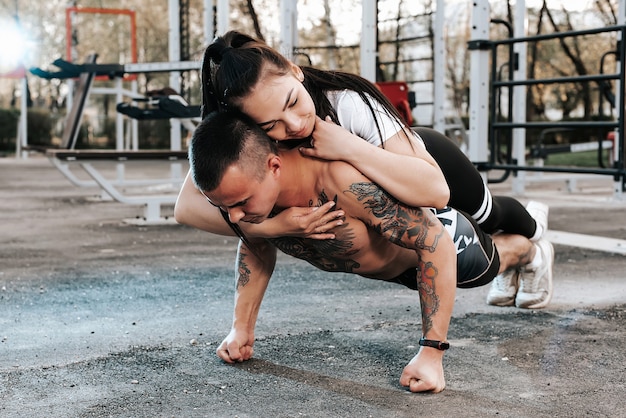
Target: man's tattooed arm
[[408, 227], [253, 271]]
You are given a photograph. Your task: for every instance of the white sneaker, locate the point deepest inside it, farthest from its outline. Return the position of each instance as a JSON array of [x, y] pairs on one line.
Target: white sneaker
[[539, 212], [535, 289], [503, 288]]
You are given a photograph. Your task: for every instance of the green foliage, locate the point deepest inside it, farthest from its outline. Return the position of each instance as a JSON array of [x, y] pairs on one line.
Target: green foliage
[[574, 136], [8, 128], [39, 127], [578, 159], [154, 134]]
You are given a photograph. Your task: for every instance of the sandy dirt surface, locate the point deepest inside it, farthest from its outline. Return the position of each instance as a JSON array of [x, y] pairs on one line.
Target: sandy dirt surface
[[100, 318]]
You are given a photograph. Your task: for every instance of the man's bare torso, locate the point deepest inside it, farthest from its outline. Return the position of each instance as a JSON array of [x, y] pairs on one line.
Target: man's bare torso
[[357, 248]]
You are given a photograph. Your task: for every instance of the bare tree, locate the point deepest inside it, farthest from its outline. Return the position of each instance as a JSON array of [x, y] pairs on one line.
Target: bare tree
[[331, 36], [581, 91], [607, 12], [535, 106], [458, 65], [255, 20], [458, 62]]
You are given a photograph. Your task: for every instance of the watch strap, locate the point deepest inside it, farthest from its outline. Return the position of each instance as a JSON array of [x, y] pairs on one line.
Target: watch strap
[[439, 345]]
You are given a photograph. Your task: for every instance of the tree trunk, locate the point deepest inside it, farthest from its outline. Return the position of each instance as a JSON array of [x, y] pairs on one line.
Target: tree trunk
[[255, 21], [583, 91], [535, 106]]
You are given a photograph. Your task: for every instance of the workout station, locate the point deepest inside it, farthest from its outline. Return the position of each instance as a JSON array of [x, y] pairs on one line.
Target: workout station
[[118, 291]]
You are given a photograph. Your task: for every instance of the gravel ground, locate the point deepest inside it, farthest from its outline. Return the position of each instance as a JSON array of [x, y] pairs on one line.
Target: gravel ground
[[100, 318]]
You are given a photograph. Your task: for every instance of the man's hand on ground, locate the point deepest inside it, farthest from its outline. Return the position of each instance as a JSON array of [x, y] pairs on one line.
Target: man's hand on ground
[[424, 373], [236, 347]]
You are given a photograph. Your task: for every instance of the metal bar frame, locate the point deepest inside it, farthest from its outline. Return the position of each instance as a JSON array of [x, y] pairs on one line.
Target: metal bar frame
[[617, 171]]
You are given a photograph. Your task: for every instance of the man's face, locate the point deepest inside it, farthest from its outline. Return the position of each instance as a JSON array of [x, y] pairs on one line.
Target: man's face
[[244, 197]]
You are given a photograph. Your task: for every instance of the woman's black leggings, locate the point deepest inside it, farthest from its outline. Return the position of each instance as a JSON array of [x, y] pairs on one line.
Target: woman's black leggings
[[469, 193]]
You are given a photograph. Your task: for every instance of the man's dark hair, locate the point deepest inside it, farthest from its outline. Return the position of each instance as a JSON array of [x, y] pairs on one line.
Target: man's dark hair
[[223, 139]]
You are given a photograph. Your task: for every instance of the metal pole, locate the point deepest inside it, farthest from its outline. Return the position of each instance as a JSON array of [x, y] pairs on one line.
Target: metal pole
[[207, 18], [175, 83], [22, 125], [119, 118], [479, 83], [288, 27], [368, 39], [223, 13], [22, 136], [519, 95], [174, 55], [439, 69], [620, 184], [134, 123]]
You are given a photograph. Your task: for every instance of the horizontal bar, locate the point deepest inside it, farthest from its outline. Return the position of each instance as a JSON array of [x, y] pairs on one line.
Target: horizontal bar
[[561, 124], [154, 67], [74, 155], [570, 79], [556, 35], [548, 169]]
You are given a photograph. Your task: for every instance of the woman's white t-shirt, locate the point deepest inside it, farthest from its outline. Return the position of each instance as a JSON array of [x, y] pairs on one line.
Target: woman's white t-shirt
[[355, 116]]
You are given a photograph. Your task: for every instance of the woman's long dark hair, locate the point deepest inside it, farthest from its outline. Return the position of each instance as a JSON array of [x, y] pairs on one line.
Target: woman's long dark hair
[[235, 62]]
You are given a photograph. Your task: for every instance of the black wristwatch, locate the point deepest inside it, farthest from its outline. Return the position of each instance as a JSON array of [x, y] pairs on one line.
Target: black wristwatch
[[439, 345]]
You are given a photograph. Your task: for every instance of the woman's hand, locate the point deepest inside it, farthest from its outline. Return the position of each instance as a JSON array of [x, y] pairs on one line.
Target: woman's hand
[[331, 141], [315, 222], [420, 182]]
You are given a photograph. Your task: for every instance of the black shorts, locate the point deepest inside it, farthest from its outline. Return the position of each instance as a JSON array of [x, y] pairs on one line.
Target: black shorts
[[477, 259]]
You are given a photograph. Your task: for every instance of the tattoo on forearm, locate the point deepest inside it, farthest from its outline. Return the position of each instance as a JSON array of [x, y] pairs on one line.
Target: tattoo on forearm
[[242, 269], [429, 301]]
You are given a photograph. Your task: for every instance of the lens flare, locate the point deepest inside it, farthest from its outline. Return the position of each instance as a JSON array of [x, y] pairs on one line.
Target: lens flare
[[14, 46]]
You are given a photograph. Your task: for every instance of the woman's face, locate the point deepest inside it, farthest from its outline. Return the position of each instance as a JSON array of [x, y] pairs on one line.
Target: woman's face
[[281, 106]]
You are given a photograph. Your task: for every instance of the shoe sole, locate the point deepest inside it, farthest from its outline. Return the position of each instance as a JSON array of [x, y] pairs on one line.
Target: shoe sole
[[505, 303]]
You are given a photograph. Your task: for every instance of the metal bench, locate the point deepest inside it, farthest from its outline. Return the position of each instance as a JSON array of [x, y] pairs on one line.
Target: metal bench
[[153, 203]]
